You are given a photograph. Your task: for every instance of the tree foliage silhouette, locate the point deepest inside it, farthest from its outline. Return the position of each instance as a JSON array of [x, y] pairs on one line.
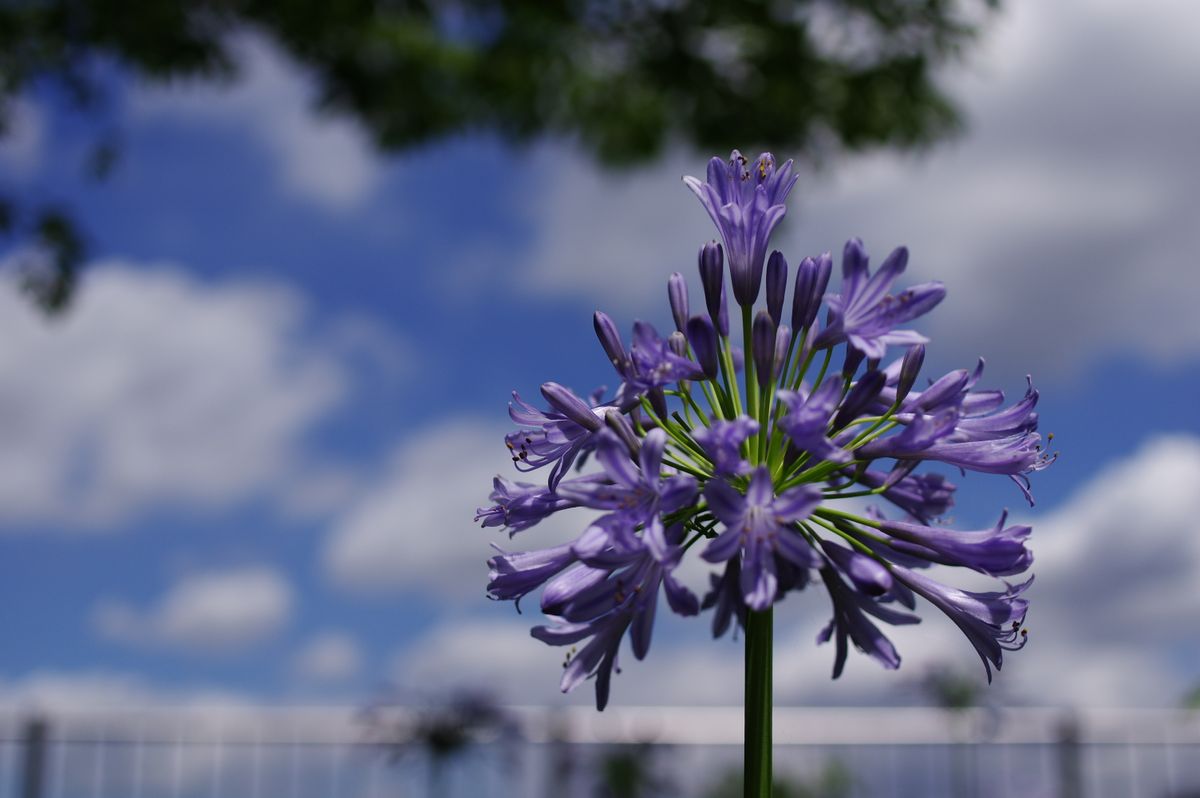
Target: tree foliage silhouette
[[622, 78]]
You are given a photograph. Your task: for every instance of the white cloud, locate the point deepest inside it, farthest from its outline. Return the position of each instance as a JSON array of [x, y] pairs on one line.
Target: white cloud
[[80, 691], [1115, 602], [327, 159], [328, 657], [22, 141], [156, 388], [1063, 215], [413, 529], [214, 611]]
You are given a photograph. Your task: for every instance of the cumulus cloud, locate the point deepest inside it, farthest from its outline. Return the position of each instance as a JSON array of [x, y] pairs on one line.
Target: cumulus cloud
[[1115, 602], [156, 388], [413, 529], [1112, 612], [1062, 216], [328, 657], [323, 158], [214, 611]]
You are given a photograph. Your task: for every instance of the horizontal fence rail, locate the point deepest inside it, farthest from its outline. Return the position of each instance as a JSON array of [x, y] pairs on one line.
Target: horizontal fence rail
[[297, 752]]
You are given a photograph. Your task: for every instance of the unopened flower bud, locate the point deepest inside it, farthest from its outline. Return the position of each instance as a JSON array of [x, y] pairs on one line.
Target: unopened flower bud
[[777, 274], [610, 339], [812, 278], [869, 576], [712, 277], [854, 359], [616, 421], [763, 342], [909, 369], [570, 405], [678, 343], [859, 398], [703, 338], [677, 293], [783, 339], [658, 402]]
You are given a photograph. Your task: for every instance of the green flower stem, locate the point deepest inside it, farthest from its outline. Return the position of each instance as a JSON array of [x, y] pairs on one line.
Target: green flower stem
[[687, 398], [832, 513], [749, 373], [678, 434], [796, 380], [757, 747], [730, 377]]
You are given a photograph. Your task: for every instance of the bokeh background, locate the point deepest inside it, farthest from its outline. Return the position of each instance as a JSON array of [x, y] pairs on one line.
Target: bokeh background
[[262, 305]]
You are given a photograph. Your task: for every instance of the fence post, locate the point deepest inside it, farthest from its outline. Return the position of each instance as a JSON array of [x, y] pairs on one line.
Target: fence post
[[34, 767], [1070, 772]]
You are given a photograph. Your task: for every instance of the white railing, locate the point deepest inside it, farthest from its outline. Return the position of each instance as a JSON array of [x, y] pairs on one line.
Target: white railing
[[297, 752]]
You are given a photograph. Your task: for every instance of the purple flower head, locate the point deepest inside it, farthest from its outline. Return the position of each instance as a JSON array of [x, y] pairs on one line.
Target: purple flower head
[[759, 526], [745, 201], [751, 451], [722, 443], [807, 421], [865, 315]]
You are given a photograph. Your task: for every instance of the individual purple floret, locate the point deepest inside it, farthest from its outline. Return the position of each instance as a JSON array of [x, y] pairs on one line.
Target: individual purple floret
[[514, 575], [1000, 551], [547, 438], [641, 495], [623, 599], [850, 610], [722, 443], [520, 505], [654, 363], [865, 314], [991, 621], [745, 201], [766, 452], [807, 421], [923, 496], [758, 526]]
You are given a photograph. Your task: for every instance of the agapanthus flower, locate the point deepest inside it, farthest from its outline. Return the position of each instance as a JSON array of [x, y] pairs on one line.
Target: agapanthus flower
[[757, 454], [746, 202]]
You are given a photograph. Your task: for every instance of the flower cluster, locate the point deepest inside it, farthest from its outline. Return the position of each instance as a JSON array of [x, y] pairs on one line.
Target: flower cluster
[[743, 454]]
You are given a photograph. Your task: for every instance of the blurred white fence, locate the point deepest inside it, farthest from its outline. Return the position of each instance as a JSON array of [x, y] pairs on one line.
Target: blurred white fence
[[216, 752]]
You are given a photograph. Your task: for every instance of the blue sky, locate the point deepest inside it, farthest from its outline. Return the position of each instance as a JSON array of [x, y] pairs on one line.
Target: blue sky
[[246, 461]]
